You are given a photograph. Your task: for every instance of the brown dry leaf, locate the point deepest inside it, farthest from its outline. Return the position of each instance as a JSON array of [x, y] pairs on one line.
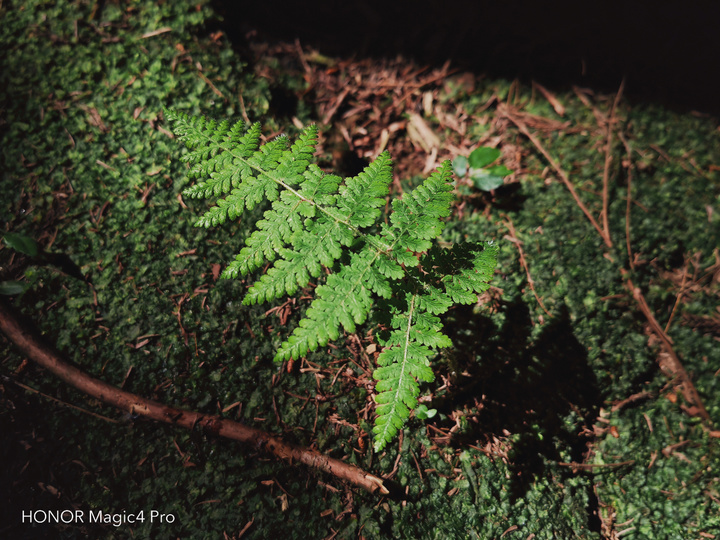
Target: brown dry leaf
[[94, 118], [420, 133], [551, 99], [216, 271]]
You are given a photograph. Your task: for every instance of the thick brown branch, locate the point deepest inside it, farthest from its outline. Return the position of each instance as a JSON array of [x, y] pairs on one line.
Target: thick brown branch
[[32, 345]]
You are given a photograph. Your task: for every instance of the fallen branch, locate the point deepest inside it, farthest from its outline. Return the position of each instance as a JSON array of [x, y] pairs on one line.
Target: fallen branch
[[32, 345]]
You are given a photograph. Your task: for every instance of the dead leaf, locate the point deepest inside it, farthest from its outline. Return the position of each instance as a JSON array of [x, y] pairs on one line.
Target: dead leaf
[[94, 118], [420, 133], [551, 99]]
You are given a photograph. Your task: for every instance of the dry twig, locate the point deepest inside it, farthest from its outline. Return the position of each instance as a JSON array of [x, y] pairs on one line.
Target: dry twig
[[507, 112], [689, 391], [512, 237], [32, 346], [575, 465], [608, 160], [630, 167]]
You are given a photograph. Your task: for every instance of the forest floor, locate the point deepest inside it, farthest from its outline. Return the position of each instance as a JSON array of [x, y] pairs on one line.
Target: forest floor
[[581, 398]]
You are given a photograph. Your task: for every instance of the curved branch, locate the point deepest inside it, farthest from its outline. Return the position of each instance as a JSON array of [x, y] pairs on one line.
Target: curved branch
[[32, 345]]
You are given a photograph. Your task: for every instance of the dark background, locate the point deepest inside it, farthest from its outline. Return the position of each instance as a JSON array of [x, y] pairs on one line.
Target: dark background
[[669, 52]]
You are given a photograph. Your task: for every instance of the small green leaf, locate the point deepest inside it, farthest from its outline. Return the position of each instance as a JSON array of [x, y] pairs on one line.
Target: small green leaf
[[460, 166], [499, 170], [423, 413], [484, 180], [23, 244], [483, 156], [9, 288]]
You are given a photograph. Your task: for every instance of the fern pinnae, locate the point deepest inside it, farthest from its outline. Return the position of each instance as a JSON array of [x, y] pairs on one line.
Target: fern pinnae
[[396, 395], [313, 219], [343, 300]]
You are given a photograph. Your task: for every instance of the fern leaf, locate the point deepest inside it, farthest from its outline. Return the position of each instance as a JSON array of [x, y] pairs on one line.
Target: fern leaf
[[227, 168], [465, 271], [472, 268], [317, 222], [364, 195], [298, 158], [343, 300], [416, 216], [272, 234], [404, 360], [314, 248], [210, 145]]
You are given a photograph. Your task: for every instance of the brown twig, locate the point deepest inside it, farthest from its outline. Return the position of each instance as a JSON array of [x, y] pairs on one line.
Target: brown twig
[[608, 161], [631, 399], [59, 401], [596, 465], [680, 293], [688, 388], [554, 102], [628, 150], [505, 111], [518, 244], [217, 92], [689, 391], [31, 345]]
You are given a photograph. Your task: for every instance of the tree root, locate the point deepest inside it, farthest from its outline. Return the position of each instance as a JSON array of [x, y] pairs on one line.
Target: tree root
[[30, 344]]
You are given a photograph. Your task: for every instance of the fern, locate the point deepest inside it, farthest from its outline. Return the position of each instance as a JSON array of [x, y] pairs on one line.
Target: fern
[[317, 221]]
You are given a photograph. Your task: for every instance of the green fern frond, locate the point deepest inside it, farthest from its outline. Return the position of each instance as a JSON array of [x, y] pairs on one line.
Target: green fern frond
[[466, 271], [318, 222], [404, 360], [362, 197]]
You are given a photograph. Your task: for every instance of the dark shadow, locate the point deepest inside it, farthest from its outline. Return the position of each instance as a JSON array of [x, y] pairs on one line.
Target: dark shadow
[[522, 386], [506, 198], [38, 472], [509, 197], [283, 102], [668, 51]]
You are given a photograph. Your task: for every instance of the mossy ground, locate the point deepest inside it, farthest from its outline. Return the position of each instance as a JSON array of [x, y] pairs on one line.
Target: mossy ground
[[89, 171]]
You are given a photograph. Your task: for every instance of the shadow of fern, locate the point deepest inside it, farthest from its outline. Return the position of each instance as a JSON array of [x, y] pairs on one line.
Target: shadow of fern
[[536, 392]]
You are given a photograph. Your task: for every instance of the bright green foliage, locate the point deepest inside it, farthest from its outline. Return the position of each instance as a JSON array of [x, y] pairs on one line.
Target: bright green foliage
[[318, 221], [476, 167]]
